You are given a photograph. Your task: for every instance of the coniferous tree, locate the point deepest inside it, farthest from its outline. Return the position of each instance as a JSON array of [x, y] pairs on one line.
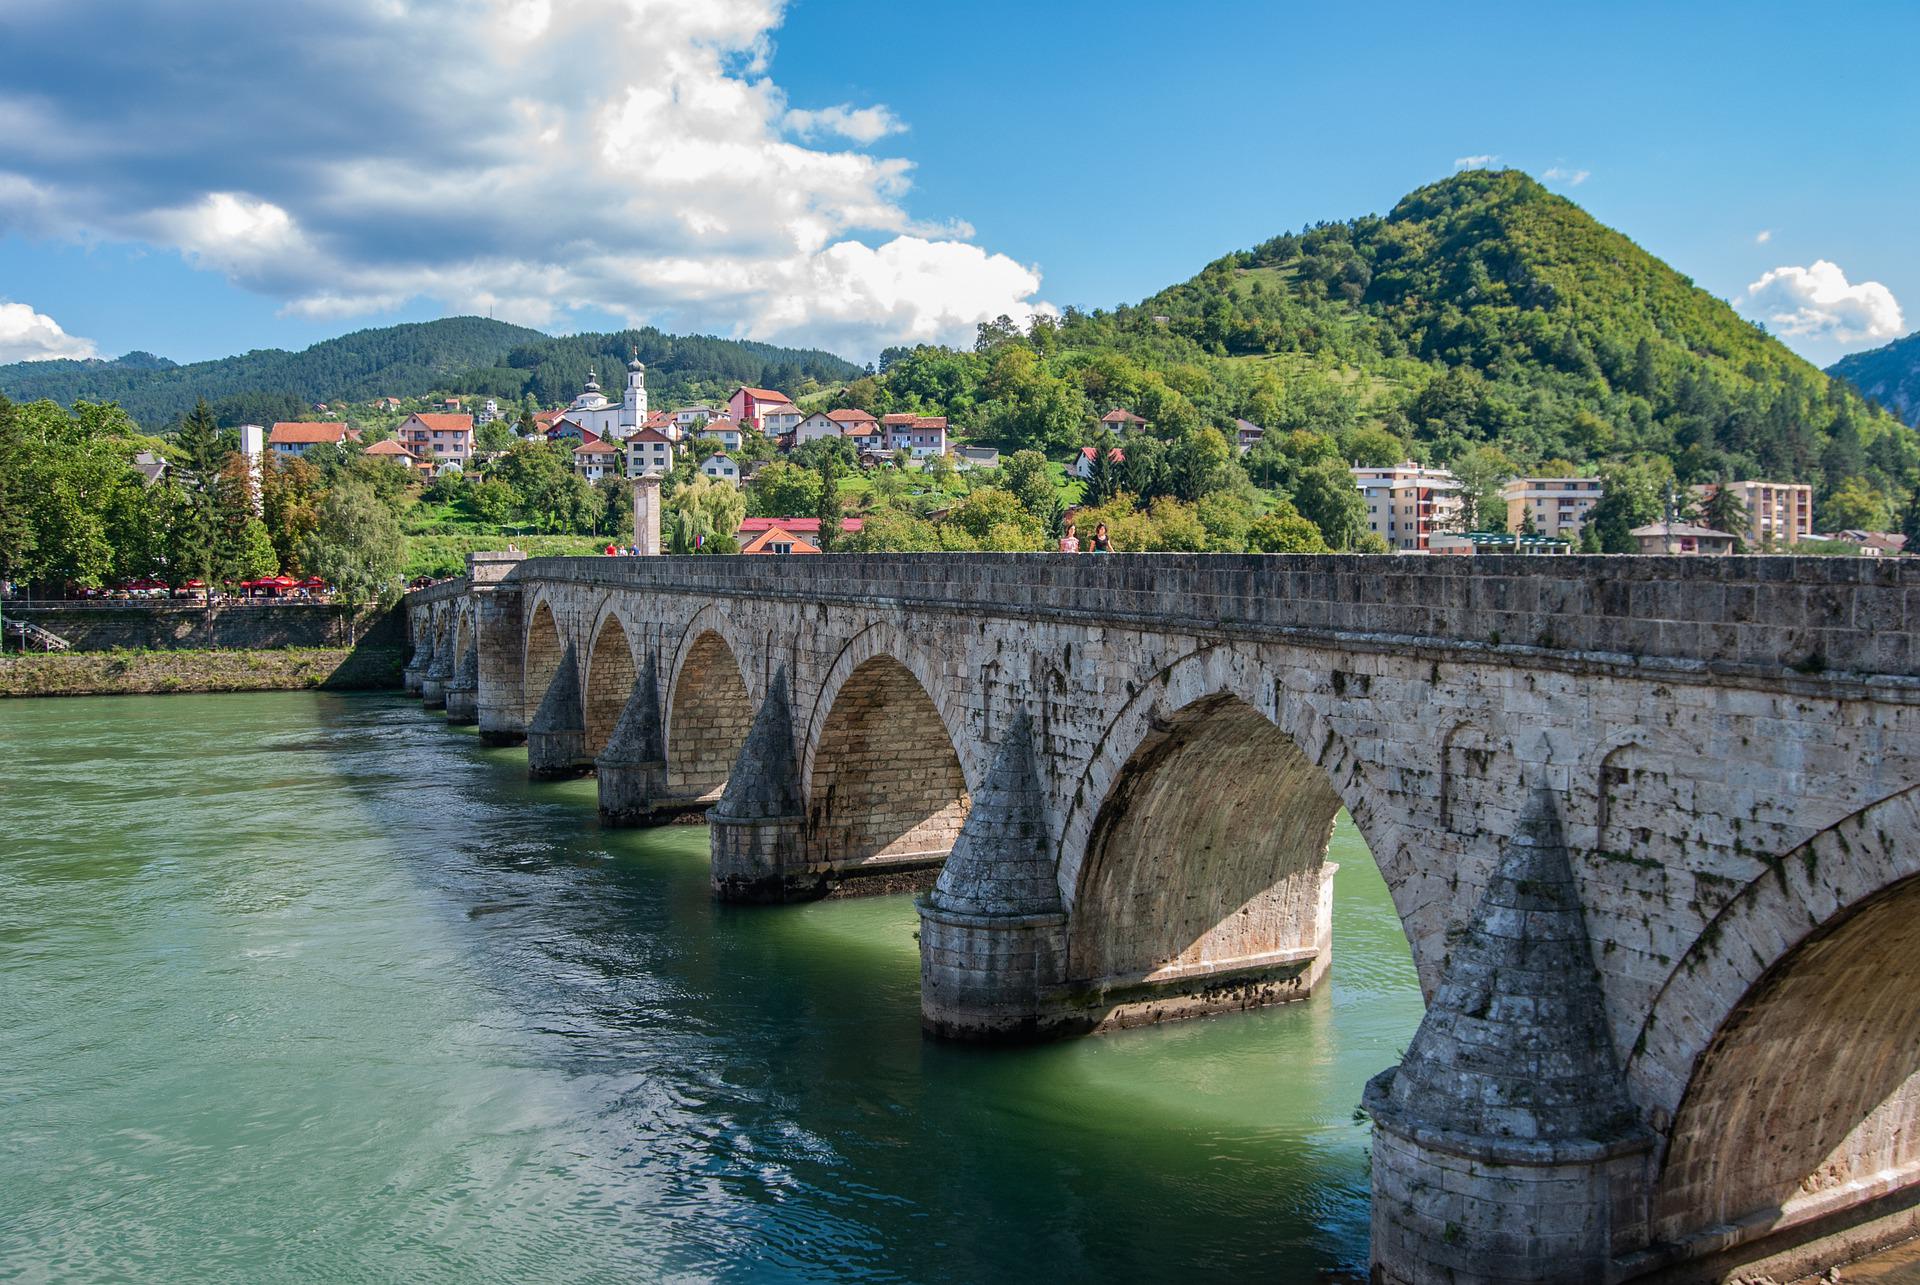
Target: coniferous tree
[[212, 511], [829, 510]]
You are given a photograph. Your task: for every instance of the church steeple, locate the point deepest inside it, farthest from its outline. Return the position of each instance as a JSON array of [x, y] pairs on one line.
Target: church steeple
[[634, 411]]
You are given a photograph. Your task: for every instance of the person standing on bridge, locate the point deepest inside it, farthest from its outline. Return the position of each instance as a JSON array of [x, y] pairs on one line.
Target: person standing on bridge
[[1102, 543], [1069, 542]]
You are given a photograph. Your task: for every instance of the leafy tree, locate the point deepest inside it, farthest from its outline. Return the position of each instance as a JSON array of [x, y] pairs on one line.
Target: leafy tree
[[1285, 531], [18, 540], [1228, 518], [1855, 506], [889, 530], [290, 494], [783, 490], [1325, 495], [356, 545], [1030, 478], [994, 519], [711, 508], [828, 506], [1632, 495], [256, 557], [1482, 471], [940, 472]]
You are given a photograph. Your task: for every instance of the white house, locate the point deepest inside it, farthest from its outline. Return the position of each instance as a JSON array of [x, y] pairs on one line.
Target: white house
[[917, 436], [1083, 466], [780, 418], [816, 427], [687, 416], [443, 439], [722, 431], [1122, 421], [291, 437], [596, 459], [649, 451], [1246, 433], [721, 468]]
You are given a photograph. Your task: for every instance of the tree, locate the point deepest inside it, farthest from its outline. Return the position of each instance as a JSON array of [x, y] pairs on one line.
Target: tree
[[1285, 531], [940, 472], [356, 546], [1030, 478], [1482, 471], [1103, 477], [1325, 495], [290, 494], [1855, 506], [212, 511], [256, 558], [1724, 510], [994, 519], [17, 537], [712, 510], [1632, 494], [828, 506], [783, 490], [1910, 521]]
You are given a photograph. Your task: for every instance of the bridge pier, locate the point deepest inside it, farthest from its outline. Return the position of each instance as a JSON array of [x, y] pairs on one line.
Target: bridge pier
[[1505, 1146], [463, 690], [410, 677], [757, 830], [500, 684], [433, 683], [556, 739], [632, 769]]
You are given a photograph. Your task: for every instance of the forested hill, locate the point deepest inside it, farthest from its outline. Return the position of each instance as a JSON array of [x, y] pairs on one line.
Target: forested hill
[[456, 354], [1499, 312], [1889, 375]]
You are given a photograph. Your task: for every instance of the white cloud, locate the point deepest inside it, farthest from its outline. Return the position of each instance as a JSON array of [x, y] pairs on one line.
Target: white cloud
[[525, 157], [1571, 177], [1820, 303], [1763, 236], [1474, 162], [861, 125], [26, 335]]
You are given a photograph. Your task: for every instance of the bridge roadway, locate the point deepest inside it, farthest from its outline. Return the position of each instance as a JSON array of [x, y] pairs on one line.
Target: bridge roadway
[[1649, 824]]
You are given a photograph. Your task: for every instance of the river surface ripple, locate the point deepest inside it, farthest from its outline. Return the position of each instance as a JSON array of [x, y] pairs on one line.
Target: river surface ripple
[[311, 987]]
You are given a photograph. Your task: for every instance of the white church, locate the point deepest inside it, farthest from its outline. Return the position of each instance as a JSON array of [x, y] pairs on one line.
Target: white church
[[610, 420]]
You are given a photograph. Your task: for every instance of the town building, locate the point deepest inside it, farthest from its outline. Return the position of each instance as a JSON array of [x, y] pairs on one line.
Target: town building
[[1778, 513], [649, 451], [816, 427], [721, 468], [786, 535], [973, 457], [1557, 505], [594, 413], [440, 440], [686, 417], [1682, 538], [750, 404], [1408, 502], [780, 419], [1246, 433], [390, 449], [1120, 421], [1084, 466], [489, 411], [597, 459], [725, 432], [292, 438], [150, 465], [917, 436]]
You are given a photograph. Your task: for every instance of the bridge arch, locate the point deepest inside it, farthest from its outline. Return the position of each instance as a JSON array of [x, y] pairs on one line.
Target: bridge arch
[[610, 677], [885, 781], [1211, 762], [709, 710], [1784, 1049], [544, 650], [882, 639]]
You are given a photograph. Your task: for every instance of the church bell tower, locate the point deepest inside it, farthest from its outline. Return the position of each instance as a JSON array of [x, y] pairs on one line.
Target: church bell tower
[[636, 395]]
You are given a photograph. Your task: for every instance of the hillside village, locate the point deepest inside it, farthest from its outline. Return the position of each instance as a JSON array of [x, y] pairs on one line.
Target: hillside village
[[1409, 507]]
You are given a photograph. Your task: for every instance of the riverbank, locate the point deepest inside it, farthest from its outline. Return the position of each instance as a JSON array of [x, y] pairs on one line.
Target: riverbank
[[106, 673]]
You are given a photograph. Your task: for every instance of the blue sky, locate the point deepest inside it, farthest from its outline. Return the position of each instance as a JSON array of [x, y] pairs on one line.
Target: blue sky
[[856, 173]]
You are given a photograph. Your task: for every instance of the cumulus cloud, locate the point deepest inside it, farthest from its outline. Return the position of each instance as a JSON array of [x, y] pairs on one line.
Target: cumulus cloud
[[1571, 177], [26, 335], [861, 124], [1474, 162], [1820, 303], [525, 157]]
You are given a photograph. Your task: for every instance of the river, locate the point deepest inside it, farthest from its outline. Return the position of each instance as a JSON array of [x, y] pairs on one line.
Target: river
[[306, 986]]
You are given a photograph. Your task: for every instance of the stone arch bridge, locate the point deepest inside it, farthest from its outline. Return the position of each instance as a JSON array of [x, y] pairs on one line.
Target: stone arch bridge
[[1652, 827]]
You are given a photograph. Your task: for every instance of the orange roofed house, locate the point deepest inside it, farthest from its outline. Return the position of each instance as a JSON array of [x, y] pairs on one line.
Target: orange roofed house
[[389, 449], [440, 439], [750, 403], [290, 438], [786, 535]]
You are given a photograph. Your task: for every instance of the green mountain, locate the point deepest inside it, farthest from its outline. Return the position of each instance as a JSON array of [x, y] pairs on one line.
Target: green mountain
[[1889, 375], [456, 354], [1485, 309]]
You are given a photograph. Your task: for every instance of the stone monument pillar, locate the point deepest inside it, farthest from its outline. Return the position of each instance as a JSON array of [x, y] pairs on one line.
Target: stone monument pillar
[[646, 515]]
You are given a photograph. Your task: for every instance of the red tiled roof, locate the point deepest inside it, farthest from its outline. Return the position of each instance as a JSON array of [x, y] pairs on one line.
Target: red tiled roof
[[1117, 416], [914, 421], [290, 433], [774, 535], [390, 447], [796, 526], [762, 394], [446, 423], [849, 417], [650, 435], [1114, 454], [596, 447]]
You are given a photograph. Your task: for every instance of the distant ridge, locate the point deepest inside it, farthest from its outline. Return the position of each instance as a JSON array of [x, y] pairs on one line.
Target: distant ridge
[[1890, 375], [455, 354]]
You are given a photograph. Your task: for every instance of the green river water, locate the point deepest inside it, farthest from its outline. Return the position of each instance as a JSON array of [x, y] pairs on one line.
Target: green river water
[[311, 987]]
